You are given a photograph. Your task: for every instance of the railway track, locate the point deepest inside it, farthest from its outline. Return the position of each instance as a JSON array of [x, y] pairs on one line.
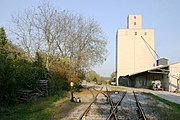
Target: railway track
[[113, 106], [110, 105], [131, 108], [89, 106], [140, 110]]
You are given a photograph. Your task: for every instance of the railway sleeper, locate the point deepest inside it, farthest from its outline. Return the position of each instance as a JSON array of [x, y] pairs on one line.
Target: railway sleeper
[[139, 113]]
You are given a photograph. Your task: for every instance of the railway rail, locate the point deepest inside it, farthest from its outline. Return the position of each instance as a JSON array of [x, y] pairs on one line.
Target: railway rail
[[89, 107], [99, 102], [140, 110], [112, 105]]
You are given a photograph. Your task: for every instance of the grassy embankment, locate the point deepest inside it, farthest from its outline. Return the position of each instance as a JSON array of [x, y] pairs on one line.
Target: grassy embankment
[[116, 88], [174, 106], [42, 109], [172, 113]]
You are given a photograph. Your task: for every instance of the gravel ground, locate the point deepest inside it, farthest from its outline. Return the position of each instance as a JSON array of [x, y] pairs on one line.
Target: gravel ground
[[97, 110], [100, 110], [149, 106], [127, 109]]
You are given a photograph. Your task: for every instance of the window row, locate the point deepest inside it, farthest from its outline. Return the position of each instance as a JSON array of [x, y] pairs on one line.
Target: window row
[[145, 33]]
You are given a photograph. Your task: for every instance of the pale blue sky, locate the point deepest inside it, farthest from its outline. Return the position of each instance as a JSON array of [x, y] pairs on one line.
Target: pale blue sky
[[161, 15]]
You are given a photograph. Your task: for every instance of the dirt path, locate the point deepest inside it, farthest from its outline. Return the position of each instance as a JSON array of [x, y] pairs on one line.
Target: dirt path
[[72, 110]]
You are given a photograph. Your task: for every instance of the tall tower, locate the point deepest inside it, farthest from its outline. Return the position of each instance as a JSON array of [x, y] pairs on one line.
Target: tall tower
[[132, 52]]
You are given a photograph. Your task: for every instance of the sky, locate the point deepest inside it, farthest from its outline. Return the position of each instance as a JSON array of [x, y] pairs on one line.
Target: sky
[[161, 15]]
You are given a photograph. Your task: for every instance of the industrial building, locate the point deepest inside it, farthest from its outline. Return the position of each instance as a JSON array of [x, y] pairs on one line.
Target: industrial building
[[133, 53], [135, 59], [167, 75]]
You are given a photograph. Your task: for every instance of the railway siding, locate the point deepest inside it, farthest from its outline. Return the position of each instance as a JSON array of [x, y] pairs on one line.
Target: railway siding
[[118, 105]]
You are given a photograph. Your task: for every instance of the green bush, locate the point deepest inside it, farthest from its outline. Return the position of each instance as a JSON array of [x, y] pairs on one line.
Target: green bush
[[57, 83], [17, 72]]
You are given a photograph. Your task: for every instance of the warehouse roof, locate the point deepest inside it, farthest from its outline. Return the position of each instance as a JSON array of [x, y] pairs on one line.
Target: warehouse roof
[[151, 70]]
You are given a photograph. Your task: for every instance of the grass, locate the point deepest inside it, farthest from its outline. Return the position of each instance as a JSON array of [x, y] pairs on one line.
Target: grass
[[116, 88], [39, 110], [172, 113], [175, 106]]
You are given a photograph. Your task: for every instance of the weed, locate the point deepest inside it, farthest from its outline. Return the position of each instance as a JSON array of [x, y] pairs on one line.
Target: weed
[[40, 110]]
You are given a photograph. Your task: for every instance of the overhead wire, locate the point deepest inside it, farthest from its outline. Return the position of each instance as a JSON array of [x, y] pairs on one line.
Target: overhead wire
[[150, 48]]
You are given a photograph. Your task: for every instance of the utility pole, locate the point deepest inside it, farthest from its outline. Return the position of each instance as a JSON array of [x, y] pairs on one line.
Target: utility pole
[[72, 97], [178, 83]]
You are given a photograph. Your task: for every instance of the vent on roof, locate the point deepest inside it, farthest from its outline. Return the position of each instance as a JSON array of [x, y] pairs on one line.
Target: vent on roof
[[162, 61]]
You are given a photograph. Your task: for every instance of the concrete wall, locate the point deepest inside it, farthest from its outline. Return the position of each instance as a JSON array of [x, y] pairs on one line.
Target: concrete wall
[[124, 81], [133, 55], [174, 71], [134, 22], [166, 82], [146, 80]]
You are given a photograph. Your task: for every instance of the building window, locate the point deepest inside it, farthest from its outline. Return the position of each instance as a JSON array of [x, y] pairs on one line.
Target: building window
[[134, 23], [134, 17], [145, 33], [135, 33]]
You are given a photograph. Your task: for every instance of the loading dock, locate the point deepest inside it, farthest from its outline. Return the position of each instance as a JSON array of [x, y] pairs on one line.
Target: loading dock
[[168, 75]]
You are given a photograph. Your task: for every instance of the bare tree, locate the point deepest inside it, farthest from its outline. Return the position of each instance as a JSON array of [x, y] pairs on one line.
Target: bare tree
[[23, 31], [82, 41], [36, 30], [61, 35]]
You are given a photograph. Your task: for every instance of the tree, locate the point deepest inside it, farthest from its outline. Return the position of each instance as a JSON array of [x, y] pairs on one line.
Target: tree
[[6, 85], [113, 75], [3, 38], [61, 35], [3, 55], [92, 76]]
